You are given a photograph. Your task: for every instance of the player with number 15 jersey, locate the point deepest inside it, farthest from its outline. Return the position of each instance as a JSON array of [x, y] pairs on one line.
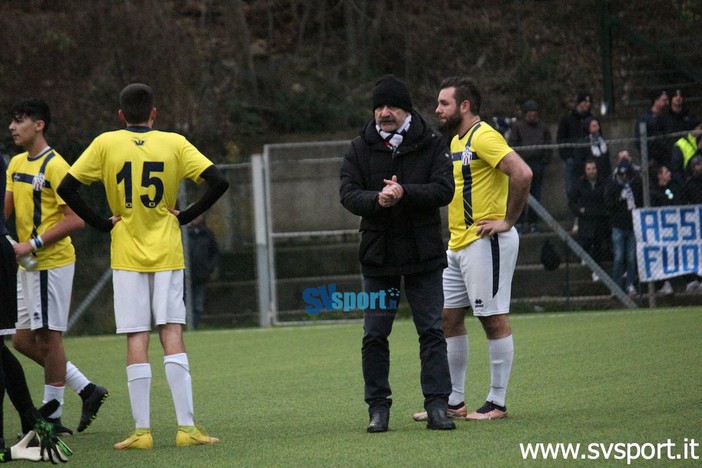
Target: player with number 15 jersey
[[141, 177]]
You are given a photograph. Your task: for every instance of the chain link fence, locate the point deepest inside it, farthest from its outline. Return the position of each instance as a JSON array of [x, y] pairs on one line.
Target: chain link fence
[[284, 236]]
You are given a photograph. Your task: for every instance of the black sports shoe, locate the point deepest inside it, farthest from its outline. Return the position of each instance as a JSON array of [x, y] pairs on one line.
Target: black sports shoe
[[60, 429], [91, 405]]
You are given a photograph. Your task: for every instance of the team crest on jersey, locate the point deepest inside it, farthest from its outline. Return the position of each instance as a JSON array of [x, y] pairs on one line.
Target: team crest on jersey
[[467, 156], [38, 182], [138, 142]]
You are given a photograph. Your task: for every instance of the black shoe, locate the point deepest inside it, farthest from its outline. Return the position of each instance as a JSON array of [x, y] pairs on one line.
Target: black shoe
[[378, 422], [60, 429], [91, 405], [439, 420]]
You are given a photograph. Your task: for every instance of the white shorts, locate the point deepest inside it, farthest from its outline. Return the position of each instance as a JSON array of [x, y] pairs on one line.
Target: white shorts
[[480, 276], [44, 298], [139, 295]]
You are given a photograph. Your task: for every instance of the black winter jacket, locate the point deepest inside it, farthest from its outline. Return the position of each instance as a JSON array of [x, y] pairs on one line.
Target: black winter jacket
[[591, 199], [620, 216], [405, 238]]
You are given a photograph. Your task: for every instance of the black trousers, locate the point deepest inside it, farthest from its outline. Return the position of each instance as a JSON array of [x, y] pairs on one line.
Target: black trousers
[[426, 300]]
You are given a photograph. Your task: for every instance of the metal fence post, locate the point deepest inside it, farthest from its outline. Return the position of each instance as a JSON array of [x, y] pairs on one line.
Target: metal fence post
[[261, 232]]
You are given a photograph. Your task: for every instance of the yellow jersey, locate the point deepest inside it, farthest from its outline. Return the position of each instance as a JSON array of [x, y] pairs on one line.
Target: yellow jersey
[[37, 206], [481, 189], [141, 170]]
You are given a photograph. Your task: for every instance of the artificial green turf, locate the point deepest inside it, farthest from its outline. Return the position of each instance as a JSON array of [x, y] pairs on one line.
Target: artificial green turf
[[294, 396]]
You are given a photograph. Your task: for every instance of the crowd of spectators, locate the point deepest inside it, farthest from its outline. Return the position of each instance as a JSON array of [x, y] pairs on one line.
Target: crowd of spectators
[[604, 187]]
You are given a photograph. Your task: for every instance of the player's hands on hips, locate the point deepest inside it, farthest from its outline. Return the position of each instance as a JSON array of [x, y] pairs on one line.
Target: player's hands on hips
[[490, 227], [115, 219], [174, 212]]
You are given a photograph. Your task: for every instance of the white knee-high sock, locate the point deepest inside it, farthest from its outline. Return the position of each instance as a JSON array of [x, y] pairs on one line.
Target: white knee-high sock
[[139, 383], [75, 380], [501, 356], [457, 351], [178, 376], [51, 393]]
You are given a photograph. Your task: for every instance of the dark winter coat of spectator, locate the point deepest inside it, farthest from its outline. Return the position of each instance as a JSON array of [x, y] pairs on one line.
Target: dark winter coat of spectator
[[623, 193], [691, 192], [677, 118], [204, 255], [667, 190], [598, 149], [530, 131], [571, 129], [586, 201], [658, 151]]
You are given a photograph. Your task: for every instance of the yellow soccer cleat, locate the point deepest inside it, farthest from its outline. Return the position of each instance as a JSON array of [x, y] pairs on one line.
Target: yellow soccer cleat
[[194, 435], [139, 439]]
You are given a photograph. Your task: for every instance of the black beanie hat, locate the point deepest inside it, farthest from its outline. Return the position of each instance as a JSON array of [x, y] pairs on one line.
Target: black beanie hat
[[390, 91]]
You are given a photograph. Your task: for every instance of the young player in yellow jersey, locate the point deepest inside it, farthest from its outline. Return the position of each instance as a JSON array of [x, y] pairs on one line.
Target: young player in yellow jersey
[[492, 186], [43, 223], [141, 169]]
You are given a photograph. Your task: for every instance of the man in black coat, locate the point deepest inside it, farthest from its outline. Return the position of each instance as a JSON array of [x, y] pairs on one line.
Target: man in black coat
[[204, 255], [623, 193], [587, 203], [396, 175], [571, 129]]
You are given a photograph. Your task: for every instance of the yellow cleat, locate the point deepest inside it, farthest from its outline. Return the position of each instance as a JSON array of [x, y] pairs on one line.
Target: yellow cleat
[[139, 439], [194, 435]]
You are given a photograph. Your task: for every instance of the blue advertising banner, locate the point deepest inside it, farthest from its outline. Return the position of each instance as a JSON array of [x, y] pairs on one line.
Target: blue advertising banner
[[668, 241]]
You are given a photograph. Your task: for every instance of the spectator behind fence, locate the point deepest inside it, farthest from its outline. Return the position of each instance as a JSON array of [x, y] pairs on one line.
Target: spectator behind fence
[[571, 129], [598, 150], [658, 151], [691, 194], [204, 255], [677, 118], [529, 131], [396, 175], [623, 193], [586, 201], [666, 191], [683, 150]]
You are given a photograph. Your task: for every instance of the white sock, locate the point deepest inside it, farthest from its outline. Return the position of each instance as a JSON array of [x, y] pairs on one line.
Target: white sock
[[178, 376], [457, 351], [75, 380], [54, 393], [501, 356], [139, 384]]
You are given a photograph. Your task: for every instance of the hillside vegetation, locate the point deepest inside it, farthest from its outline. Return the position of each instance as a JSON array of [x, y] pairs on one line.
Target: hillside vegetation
[[231, 74]]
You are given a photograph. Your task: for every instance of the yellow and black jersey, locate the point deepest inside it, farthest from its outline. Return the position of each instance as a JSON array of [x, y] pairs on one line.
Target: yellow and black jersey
[[37, 206], [481, 189], [141, 170]]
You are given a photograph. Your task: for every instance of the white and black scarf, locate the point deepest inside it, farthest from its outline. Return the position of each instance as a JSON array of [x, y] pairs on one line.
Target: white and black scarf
[[393, 139], [598, 145]]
